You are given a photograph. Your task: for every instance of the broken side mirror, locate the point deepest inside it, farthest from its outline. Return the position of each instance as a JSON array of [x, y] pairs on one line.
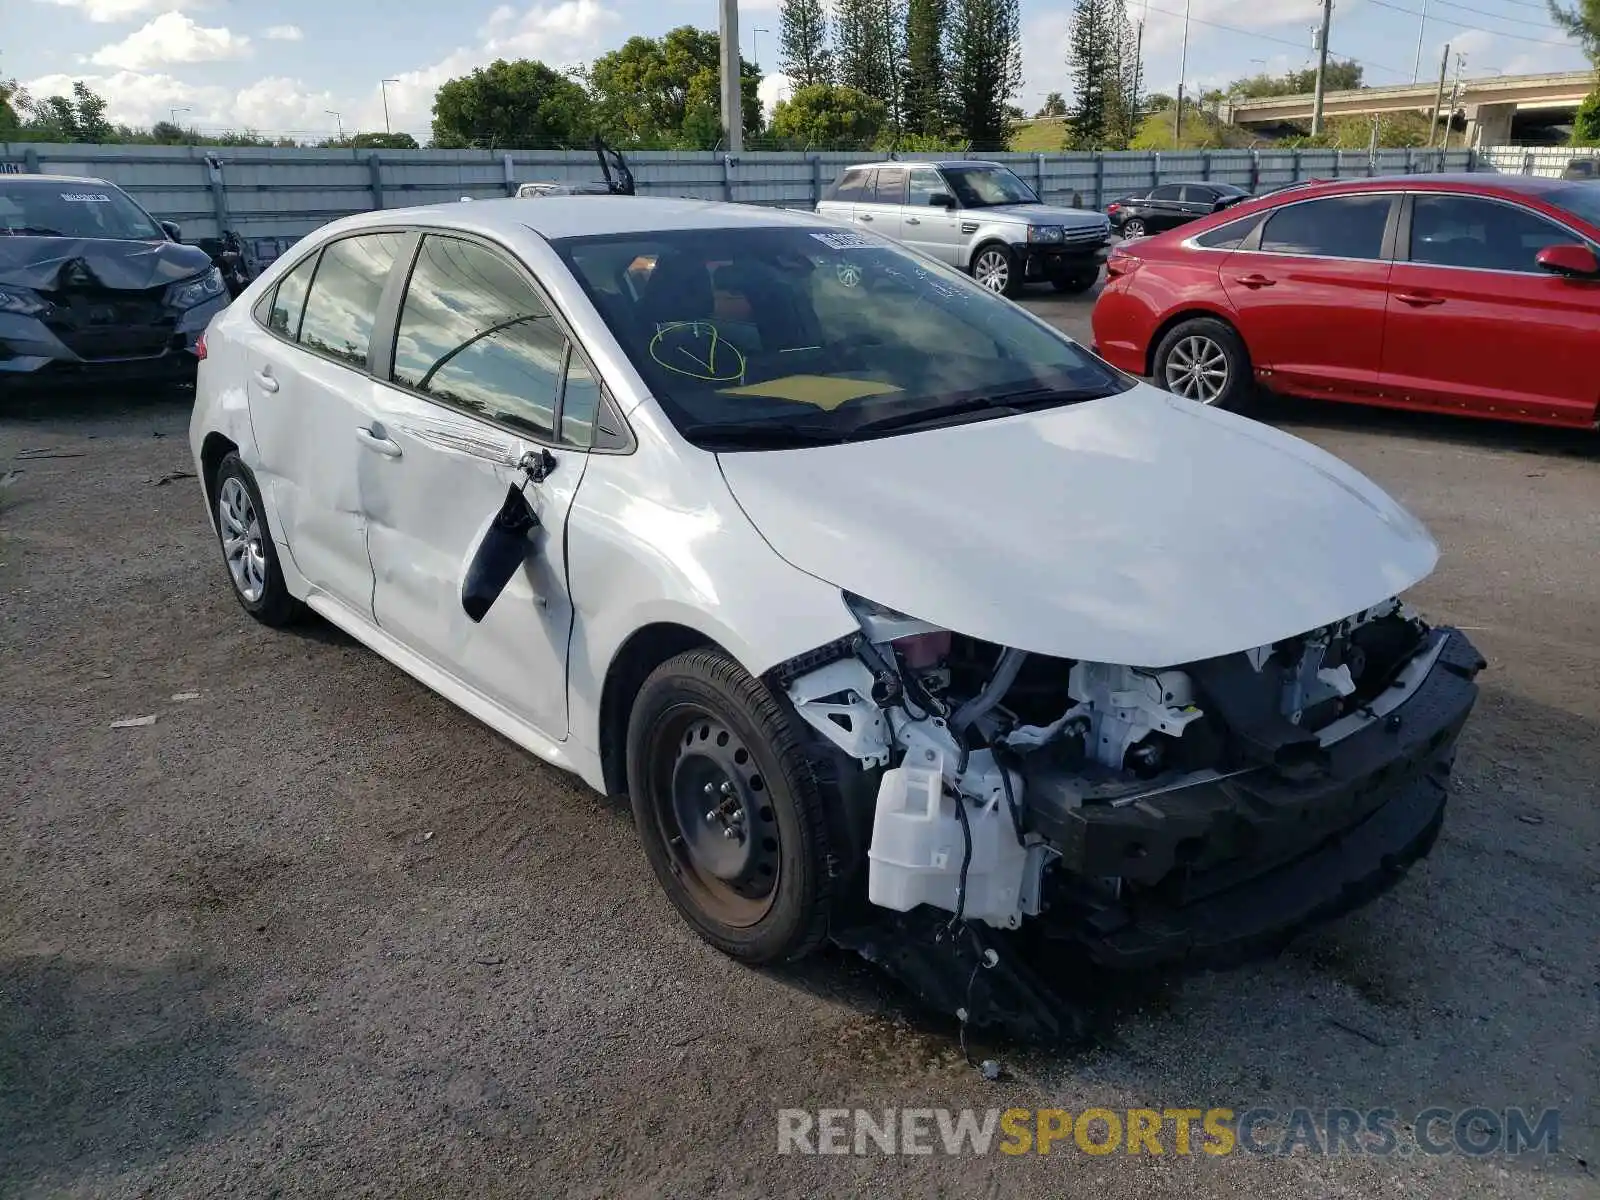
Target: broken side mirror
[[1573, 261], [505, 546], [173, 230]]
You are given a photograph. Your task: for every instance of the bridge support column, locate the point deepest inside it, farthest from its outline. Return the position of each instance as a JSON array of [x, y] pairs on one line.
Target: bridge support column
[[1489, 124]]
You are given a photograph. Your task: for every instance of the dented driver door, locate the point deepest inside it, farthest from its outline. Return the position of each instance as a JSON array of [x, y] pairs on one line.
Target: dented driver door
[[478, 372]]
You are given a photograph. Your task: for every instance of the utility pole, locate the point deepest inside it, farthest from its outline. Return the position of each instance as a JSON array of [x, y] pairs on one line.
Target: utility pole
[[1322, 67], [1455, 98], [1183, 71], [732, 90], [1438, 100], [383, 86], [1422, 30]]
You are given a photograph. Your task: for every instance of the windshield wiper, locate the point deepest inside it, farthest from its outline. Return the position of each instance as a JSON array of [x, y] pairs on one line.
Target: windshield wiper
[[1006, 403], [760, 435], [33, 231]]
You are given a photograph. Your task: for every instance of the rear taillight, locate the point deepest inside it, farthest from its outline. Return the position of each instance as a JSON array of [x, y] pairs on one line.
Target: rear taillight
[[1113, 208], [1120, 266], [200, 346]]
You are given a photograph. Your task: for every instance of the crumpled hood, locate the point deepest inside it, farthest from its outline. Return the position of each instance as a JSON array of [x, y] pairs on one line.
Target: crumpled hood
[[1046, 214], [48, 264], [1139, 529]]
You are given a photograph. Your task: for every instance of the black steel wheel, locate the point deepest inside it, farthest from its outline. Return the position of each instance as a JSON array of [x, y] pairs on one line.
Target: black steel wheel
[[727, 808]]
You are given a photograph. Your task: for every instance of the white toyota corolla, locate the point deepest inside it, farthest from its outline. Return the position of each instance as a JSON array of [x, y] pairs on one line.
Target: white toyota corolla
[[901, 618]]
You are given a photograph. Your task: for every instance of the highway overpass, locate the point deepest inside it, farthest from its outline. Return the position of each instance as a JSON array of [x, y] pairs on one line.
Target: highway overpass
[[1490, 104]]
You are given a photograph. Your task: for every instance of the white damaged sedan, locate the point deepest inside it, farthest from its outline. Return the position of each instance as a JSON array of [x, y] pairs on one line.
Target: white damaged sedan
[[902, 619]]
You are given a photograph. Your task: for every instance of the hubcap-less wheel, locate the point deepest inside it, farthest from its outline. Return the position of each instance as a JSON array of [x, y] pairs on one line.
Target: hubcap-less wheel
[[1133, 229], [241, 539], [1197, 369], [992, 269], [717, 819]]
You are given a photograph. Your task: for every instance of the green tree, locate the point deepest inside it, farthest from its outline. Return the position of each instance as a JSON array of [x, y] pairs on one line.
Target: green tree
[[1055, 105], [665, 91], [508, 105], [869, 50], [1094, 60], [1586, 122], [927, 104], [80, 117], [1581, 22], [383, 141], [830, 115], [985, 68], [10, 122], [1343, 76], [803, 53]]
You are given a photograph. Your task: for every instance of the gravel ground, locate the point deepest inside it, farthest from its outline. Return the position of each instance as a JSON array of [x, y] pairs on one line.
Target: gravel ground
[[313, 931]]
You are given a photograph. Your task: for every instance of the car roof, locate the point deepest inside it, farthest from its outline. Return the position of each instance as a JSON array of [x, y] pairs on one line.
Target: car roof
[[924, 162], [584, 216], [1484, 181], [54, 179]]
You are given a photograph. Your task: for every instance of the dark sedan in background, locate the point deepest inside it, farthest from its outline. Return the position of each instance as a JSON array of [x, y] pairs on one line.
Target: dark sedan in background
[[1170, 205], [92, 286]]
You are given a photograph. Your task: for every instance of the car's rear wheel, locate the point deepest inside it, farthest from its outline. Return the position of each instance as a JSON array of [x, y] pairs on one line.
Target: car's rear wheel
[[1205, 360], [1076, 285], [996, 268], [1134, 227], [247, 548], [729, 812]]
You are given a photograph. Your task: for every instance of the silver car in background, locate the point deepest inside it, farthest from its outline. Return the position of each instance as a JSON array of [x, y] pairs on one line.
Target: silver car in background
[[978, 217]]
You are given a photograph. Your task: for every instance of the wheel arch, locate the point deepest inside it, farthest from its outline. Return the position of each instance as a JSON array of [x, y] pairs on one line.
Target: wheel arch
[[213, 450], [983, 243], [644, 650]]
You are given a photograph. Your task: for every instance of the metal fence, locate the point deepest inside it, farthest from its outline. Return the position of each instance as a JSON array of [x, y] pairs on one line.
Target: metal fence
[[1546, 161], [285, 193]]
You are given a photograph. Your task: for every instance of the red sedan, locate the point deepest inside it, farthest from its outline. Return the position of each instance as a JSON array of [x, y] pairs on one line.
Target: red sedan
[[1475, 294]]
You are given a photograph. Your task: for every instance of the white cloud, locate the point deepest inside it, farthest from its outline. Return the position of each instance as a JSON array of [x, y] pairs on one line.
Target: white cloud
[[284, 33], [561, 34], [123, 10], [171, 38], [771, 89], [137, 98]]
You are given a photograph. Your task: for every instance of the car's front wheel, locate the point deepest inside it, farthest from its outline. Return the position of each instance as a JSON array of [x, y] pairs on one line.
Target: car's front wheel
[[730, 814], [247, 547], [996, 268], [1205, 360]]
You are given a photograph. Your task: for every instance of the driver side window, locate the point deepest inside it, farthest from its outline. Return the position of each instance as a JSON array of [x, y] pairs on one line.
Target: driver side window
[[924, 184]]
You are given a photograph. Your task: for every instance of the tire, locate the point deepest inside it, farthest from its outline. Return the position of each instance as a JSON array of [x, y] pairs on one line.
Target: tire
[[1076, 285], [709, 750], [995, 267], [247, 547], [1134, 227], [1205, 360]]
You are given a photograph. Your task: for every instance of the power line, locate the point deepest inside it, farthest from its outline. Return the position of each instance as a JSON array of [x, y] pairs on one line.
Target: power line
[[1483, 12], [1267, 37], [1411, 12]]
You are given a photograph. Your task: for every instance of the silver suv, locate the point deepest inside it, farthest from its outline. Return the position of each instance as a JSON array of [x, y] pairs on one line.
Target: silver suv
[[976, 216]]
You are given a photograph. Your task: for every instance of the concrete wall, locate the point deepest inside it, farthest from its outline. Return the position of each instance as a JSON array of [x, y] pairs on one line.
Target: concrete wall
[[286, 193]]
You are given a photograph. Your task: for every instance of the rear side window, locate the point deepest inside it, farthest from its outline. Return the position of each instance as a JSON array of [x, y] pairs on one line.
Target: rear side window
[[1230, 236], [1199, 195], [851, 186], [289, 301], [1168, 192], [343, 303], [890, 187], [474, 335], [1337, 227], [1464, 231]]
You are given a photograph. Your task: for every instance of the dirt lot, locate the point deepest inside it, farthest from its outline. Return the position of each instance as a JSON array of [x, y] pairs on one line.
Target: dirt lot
[[315, 931]]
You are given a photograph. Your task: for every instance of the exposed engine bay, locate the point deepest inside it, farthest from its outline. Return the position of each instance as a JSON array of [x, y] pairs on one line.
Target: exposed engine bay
[[1013, 786]]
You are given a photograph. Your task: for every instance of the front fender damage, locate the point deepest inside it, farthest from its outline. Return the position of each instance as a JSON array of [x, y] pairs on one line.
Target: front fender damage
[[1017, 810]]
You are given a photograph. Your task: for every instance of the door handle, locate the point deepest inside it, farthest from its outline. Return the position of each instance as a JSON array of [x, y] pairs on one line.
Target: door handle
[[267, 382], [385, 446], [913, 220], [863, 216], [1256, 281], [1417, 301]]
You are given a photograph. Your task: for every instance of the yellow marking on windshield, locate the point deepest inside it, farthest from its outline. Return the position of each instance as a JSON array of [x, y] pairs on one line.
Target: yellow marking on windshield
[[826, 392]]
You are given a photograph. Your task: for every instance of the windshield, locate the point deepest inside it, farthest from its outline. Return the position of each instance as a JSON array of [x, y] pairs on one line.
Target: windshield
[[783, 336], [1582, 200], [987, 187], [75, 210]]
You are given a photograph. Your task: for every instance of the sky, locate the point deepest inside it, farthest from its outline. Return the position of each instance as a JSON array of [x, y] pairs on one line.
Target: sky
[[310, 68]]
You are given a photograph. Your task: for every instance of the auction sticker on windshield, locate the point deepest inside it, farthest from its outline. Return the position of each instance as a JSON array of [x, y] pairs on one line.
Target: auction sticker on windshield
[[844, 241], [87, 197]]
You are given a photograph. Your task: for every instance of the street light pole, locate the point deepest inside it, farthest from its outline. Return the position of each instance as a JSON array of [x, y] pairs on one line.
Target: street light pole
[[337, 121], [1183, 70], [755, 53], [1422, 30], [732, 89], [384, 88]]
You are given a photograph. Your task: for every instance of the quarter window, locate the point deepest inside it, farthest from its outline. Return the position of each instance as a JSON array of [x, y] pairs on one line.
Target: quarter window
[[289, 301], [890, 187], [1336, 227], [1230, 236], [474, 334], [1464, 231], [343, 302], [580, 402]]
